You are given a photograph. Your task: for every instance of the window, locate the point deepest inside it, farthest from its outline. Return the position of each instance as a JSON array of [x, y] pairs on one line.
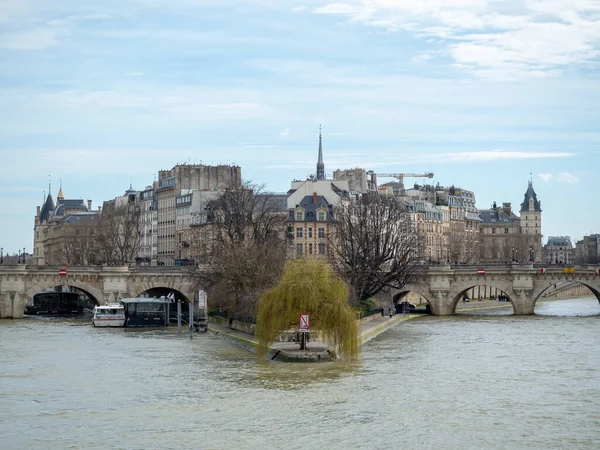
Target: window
[[321, 233], [310, 232], [493, 231], [321, 249], [321, 216], [298, 249], [506, 231], [298, 232], [299, 215], [310, 248]]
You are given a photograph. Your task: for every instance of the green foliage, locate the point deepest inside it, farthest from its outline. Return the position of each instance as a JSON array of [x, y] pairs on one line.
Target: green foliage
[[309, 287]]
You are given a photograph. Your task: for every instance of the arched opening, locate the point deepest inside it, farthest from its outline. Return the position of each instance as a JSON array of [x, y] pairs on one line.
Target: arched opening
[[61, 300], [479, 299], [411, 302], [173, 294], [568, 297]]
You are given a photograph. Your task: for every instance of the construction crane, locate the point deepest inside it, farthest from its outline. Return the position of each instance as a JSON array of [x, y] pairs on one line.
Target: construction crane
[[400, 177]]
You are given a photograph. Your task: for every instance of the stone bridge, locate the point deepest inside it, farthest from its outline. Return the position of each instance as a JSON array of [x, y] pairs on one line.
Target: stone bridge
[[18, 284], [444, 286]]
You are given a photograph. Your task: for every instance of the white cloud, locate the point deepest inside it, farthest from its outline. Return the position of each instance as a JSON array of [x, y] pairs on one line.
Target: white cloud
[[562, 177], [492, 39], [488, 155], [285, 133], [299, 8], [566, 177]]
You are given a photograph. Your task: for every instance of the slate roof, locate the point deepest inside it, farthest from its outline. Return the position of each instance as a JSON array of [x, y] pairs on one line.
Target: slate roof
[[47, 208], [499, 216], [64, 205], [559, 241], [310, 209], [82, 217], [530, 193], [276, 202]]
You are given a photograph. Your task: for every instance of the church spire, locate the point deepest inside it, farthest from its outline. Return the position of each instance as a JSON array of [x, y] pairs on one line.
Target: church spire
[[320, 164], [60, 195]]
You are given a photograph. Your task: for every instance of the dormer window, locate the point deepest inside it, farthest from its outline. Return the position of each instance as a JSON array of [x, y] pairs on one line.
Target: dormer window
[[321, 216], [299, 215]]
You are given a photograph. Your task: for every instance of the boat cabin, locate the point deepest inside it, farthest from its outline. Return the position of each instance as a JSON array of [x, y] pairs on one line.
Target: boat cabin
[[146, 312]]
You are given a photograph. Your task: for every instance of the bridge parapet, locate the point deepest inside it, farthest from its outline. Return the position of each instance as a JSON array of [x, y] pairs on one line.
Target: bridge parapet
[[19, 283], [444, 286]]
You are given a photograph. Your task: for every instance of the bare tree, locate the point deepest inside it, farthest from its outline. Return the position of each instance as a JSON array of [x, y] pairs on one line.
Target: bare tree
[[376, 246], [78, 245], [247, 252], [118, 235]]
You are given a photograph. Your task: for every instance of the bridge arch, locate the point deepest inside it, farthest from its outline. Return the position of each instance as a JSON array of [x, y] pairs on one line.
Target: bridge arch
[[540, 291], [93, 293], [461, 288], [400, 295], [157, 289]]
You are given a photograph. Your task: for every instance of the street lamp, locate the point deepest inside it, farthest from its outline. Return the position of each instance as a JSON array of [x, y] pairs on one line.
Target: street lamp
[[531, 254], [19, 260], [1, 255]]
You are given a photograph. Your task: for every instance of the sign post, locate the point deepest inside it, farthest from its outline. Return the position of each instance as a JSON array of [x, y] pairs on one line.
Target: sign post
[[304, 327]]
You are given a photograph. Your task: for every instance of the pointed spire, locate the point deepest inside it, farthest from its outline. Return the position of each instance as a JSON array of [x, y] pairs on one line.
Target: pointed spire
[[60, 195], [320, 164], [49, 184]]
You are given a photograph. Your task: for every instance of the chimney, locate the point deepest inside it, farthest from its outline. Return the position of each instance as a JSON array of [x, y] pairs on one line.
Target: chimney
[[506, 208], [314, 198], [99, 209], [89, 205], [38, 210]]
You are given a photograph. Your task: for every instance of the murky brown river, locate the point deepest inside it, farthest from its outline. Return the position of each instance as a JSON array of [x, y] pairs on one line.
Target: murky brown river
[[485, 381]]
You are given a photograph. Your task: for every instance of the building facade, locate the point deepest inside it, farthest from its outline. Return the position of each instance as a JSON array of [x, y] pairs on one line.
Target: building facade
[[559, 250], [506, 237], [174, 183], [310, 223], [61, 230]]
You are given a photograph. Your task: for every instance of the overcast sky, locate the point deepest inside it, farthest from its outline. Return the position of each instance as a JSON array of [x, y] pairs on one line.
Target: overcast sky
[[481, 92]]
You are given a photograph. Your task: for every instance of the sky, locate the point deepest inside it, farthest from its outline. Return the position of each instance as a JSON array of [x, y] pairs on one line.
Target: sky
[[484, 93]]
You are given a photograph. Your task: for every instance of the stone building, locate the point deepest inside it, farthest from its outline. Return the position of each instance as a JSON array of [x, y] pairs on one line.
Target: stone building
[[587, 250], [430, 223], [505, 237], [531, 226], [559, 250], [60, 228], [458, 240], [499, 232], [310, 223], [148, 227], [360, 181], [182, 179]]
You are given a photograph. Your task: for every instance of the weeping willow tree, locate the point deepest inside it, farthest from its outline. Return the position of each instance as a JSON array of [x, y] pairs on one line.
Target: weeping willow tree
[[309, 287]]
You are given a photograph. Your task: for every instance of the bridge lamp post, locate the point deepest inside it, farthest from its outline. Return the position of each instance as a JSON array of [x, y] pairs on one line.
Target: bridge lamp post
[[531, 254], [1, 255], [19, 259]]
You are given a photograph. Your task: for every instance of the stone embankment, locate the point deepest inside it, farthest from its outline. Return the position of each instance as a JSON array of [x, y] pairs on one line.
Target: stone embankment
[[242, 335]]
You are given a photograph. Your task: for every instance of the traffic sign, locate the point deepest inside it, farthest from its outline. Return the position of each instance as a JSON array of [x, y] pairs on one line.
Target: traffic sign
[[566, 270], [304, 323], [543, 270], [62, 272], [480, 271], [572, 270], [598, 270]]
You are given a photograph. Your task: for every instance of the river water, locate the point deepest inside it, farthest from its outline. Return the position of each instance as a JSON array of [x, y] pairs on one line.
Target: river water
[[485, 381]]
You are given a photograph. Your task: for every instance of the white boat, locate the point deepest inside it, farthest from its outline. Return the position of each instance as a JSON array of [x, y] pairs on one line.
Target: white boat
[[111, 315]]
